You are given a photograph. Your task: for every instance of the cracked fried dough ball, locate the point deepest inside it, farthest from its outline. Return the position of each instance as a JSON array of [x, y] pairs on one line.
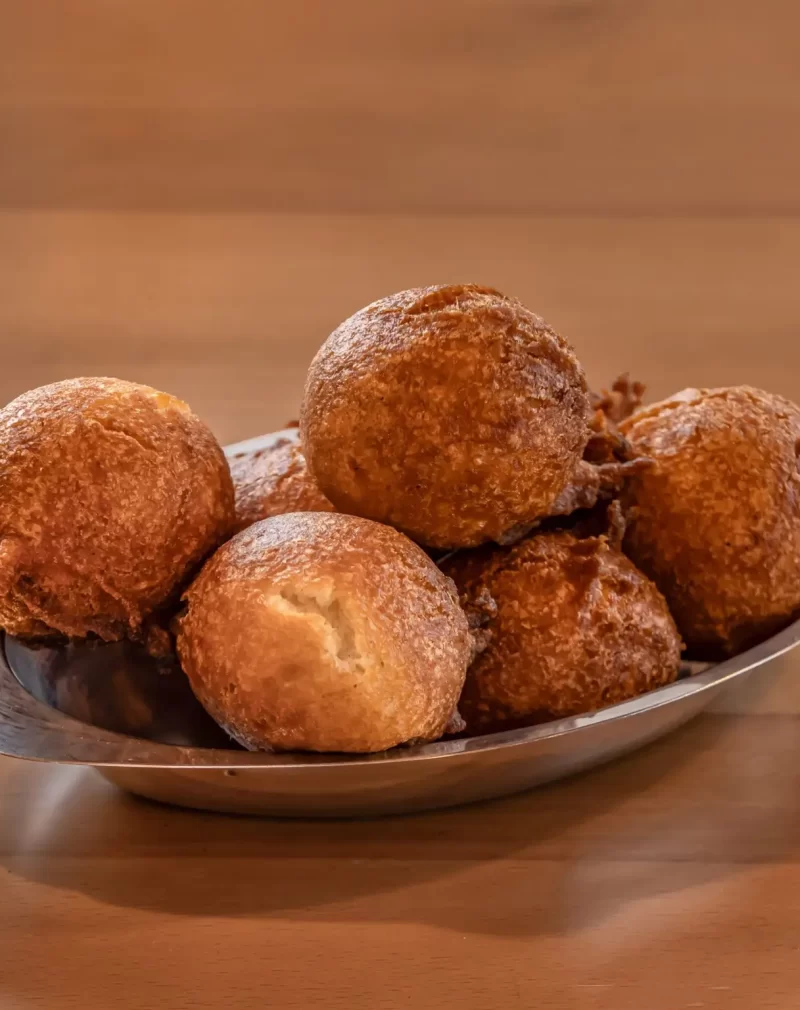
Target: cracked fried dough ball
[[452, 413], [322, 632], [274, 480], [572, 627], [716, 522], [110, 494]]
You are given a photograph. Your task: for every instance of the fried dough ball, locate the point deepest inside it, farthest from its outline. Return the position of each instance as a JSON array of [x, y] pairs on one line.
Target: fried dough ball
[[572, 626], [716, 522], [322, 632], [274, 480], [452, 413], [110, 494]]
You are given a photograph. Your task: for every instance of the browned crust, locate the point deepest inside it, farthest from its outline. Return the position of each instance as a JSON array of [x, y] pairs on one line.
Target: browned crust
[[577, 627], [609, 463], [111, 494], [596, 482], [716, 523], [600, 478], [275, 480], [323, 632], [623, 399], [453, 413]]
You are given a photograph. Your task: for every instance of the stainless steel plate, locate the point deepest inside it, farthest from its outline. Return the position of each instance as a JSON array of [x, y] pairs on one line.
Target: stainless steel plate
[[110, 707], [115, 686]]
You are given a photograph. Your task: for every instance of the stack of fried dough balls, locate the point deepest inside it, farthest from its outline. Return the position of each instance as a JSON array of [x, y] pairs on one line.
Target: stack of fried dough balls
[[458, 417], [583, 541]]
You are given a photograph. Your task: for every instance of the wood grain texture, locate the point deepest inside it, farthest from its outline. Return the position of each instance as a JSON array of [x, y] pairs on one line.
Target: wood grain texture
[[668, 879], [227, 310], [494, 105]]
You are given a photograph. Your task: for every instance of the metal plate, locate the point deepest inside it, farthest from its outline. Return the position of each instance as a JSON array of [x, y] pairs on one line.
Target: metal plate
[[105, 683], [111, 707]]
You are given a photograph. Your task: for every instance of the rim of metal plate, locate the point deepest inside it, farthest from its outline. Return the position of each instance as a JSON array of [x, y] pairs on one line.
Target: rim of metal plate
[[33, 730]]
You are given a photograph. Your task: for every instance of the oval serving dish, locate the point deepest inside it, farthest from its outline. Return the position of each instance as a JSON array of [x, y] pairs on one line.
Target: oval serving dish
[[112, 708]]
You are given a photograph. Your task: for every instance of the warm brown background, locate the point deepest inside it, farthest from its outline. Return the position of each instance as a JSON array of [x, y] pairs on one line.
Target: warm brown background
[[192, 194]]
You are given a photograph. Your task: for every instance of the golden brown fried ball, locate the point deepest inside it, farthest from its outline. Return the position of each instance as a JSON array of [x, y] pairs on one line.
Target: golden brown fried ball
[[572, 627], [274, 480], [716, 522], [452, 413], [322, 632], [110, 494]]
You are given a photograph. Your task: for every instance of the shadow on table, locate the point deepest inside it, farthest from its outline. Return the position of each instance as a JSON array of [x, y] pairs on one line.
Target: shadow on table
[[719, 794]]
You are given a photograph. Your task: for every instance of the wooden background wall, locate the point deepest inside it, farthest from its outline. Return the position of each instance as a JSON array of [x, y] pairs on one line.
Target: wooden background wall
[[193, 194]]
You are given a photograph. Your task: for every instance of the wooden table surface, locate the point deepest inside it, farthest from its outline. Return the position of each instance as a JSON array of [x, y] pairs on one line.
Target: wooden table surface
[[194, 195]]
